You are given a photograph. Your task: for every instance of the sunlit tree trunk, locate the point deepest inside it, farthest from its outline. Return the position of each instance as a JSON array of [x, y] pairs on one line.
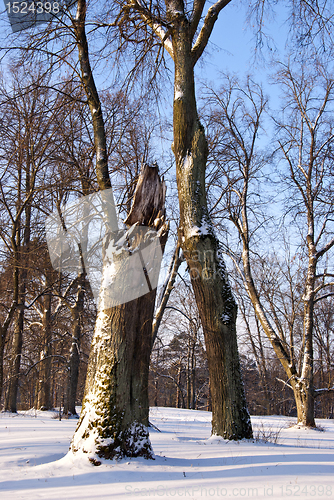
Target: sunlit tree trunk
[[44, 372]]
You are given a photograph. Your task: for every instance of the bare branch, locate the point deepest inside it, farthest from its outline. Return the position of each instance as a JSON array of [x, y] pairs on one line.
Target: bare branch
[[324, 296], [204, 34], [163, 35], [154, 23], [196, 15], [167, 290], [93, 99], [319, 392], [325, 249], [285, 383]]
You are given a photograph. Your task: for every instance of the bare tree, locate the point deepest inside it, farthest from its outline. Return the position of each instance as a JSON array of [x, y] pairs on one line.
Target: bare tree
[[310, 21], [306, 145], [28, 142], [114, 417]]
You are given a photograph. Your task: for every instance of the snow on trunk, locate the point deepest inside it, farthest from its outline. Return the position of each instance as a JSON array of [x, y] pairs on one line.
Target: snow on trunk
[[114, 417], [216, 304]]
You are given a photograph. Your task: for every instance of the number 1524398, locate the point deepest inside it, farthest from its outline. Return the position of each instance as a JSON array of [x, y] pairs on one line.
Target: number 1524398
[[33, 7]]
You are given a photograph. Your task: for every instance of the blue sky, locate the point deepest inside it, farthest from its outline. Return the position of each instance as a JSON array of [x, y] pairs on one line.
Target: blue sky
[[233, 47], [232, 42]]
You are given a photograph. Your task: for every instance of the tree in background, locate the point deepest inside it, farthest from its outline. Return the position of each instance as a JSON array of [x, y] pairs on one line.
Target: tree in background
[[179, 373], [285, 296], [28, 143]]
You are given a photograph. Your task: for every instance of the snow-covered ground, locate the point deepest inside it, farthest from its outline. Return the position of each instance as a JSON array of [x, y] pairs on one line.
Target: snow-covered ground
[[188, 462]]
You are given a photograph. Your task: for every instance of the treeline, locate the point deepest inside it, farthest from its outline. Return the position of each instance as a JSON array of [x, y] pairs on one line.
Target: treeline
[[47, 160], [179, 374]]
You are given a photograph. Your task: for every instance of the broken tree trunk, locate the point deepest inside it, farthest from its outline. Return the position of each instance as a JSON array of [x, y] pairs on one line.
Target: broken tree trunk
[[114, 417]]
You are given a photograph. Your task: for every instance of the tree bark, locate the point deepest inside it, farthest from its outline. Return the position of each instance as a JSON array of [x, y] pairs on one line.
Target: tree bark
[[11, 400], [4, 330], [304, 397], [74, 361], [214, 298], [44, 373], [114, 417]]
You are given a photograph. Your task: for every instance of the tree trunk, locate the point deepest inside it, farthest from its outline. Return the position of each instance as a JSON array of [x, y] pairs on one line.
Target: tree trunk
[[304, 397], [156, 390], [11, 400], [74, 361], [178, 385], [5, 326], [303, 388], [193, 388], [214, 298], [114, 417], [188, 374], [44, 373], [3, 335]]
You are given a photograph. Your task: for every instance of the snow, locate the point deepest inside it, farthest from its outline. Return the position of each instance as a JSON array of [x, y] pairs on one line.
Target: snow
[[87, 444], [178, 94], [225, 318], [188, 462], [204, 230], [187, 162]]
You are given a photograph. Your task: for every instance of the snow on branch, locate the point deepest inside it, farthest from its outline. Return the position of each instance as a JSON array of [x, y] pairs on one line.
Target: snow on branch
[[154, 23], [285, 383], [325, 249], [163, 35], [319, 392]]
